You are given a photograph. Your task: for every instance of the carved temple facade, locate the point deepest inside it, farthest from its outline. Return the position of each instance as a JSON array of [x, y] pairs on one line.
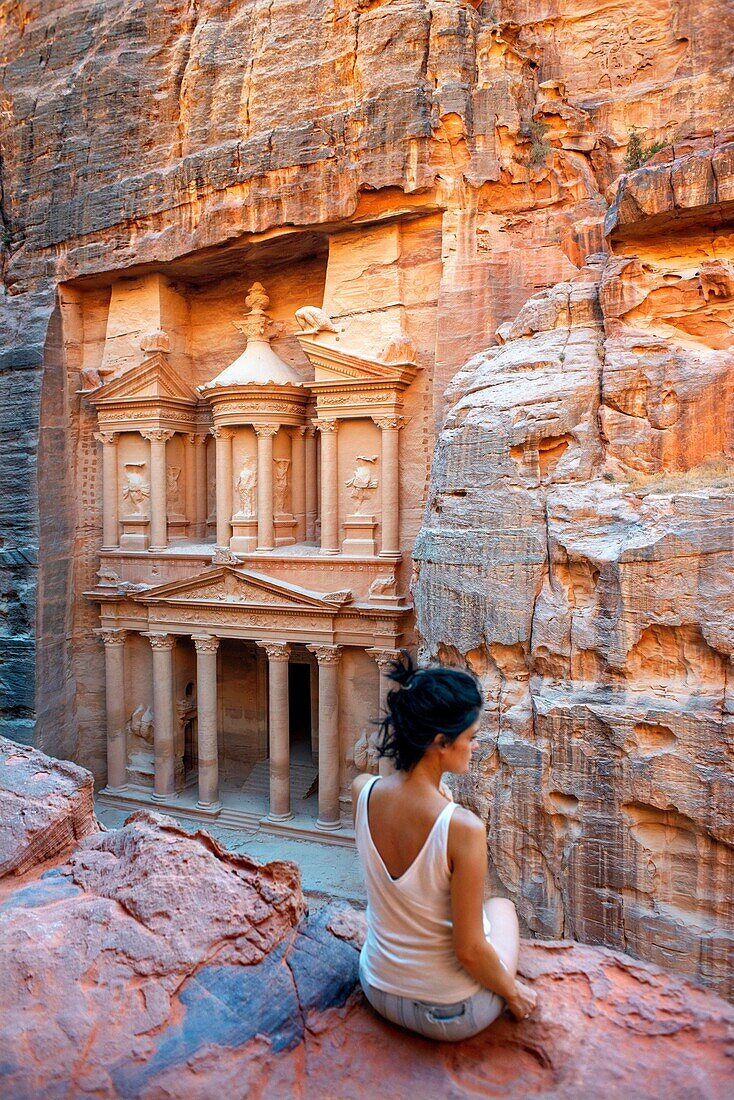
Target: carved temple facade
[[252, 581]]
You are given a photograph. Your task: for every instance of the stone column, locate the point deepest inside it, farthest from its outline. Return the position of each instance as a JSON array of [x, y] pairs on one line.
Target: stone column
[[114, 660], [200, 509], [206, 692], [265, 526], [383, 658], [312, 484], [158, 503], [390, 476], [328, 656], [164, 716], [223, 476], [190, 483], [280, 745], [110, 508], [298, 481], [329, 487]]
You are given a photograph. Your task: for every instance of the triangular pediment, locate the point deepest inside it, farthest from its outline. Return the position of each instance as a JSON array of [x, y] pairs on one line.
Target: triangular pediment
[[332, 364], [152, 380], [229, 586]]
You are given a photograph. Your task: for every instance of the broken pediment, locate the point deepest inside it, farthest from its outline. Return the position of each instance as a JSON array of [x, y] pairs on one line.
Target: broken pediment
[[228, 585], [333, 365], [154, 381]]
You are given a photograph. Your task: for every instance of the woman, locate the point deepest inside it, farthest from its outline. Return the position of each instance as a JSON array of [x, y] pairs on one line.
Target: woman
[[436, 960]]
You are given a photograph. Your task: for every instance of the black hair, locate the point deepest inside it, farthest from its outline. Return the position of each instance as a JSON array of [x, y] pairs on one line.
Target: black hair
[[428, 702]]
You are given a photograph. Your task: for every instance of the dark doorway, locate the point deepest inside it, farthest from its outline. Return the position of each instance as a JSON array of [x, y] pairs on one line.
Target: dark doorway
[[299, 712]]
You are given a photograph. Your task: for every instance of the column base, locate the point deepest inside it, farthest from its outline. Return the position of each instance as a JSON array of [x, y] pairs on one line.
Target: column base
[[114, 790], [212, 808], [162, 797], [336, 550], [264, 549], [106, 549], [328, 826], [156, 549], [280, 817]]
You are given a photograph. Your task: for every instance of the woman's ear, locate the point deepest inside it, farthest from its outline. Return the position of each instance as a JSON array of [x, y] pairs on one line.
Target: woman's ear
[[439, 741]]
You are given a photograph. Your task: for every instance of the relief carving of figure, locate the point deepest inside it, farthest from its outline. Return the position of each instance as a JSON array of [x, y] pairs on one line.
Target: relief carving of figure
[[174, 495], [362, 482], [135, 489], [141, 723], [280, 484], [366, 756], [247, 486]]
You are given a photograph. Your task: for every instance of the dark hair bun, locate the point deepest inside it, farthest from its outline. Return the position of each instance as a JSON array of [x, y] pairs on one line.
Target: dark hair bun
[[428, 702]]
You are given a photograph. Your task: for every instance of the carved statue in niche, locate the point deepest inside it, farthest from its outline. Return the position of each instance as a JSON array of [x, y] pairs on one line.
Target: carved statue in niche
[[363, 481], [280, 484], [365, 755], [141, 723], [135, 488], [247, 486], [174, 494]]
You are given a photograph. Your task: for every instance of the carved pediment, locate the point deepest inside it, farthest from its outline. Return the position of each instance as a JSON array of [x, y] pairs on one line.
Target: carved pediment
[[230, 586], [153, 381], [334, 365]]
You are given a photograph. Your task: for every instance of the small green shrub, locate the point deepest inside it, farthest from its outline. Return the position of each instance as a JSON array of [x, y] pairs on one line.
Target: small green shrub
[[637, 153], [539, 147]]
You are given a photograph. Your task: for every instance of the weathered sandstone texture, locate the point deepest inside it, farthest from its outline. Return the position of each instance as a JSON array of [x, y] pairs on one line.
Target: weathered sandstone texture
[[577, 553], [154, 963]]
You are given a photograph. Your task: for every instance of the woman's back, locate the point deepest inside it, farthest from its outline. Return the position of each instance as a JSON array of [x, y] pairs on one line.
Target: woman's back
[[409, 949]]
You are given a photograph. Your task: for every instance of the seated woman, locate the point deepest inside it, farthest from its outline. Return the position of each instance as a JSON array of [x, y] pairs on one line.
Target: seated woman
[[436, 960]]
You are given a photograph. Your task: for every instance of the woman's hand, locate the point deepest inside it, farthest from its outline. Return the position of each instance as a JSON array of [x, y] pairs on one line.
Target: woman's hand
[[522, 1001]]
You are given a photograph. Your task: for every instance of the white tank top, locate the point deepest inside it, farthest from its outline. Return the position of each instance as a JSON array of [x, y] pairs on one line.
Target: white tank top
[[409, 949]]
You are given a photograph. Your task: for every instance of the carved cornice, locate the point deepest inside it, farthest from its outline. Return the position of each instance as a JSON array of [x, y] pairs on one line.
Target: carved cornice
[[111, 638], [276, 651], [106, 438], [205, 643], [160, 641], [326, 654], [157, 435]]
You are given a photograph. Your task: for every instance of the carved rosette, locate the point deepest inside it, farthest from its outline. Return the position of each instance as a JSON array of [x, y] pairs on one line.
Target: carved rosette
[[276, 651], [205, 643], [326, 654], [112, 637]]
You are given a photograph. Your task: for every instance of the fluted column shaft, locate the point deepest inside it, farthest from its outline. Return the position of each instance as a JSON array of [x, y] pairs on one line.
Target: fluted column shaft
[[383, 659], [280, 748], [206, 691], [114, 654], [158, 503], [298, 482], [329, 487], [164, 718], [328, 656], [110, 508], [390, 471], [312, 488], [223, 437], [265, 525]]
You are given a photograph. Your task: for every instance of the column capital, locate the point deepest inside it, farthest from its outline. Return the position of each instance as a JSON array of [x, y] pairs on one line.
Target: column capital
[[222, 433], [160, 641], [276, 651], [384, 657], [300, 431], [112, 637], [197, 438], [310, 431], [157, 435], [326, 424], [390, 422], [106, 438], [205, 643], [266, 429], [326, 654]]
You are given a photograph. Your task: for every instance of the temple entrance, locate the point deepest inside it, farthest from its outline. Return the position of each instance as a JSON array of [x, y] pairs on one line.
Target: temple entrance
[[304, 775]]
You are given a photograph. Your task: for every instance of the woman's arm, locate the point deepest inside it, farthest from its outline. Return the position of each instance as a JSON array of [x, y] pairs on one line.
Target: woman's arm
[[357, 784], [468, 862]]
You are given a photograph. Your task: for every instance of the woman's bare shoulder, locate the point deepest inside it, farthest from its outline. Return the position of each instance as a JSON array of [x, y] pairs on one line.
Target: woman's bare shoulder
[[359, 782], [466, 830]]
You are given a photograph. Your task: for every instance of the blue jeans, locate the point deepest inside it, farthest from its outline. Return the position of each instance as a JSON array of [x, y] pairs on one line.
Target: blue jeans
[[449, 1023]]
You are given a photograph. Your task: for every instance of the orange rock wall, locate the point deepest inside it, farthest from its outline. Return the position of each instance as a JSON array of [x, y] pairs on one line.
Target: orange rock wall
[[206, 141]]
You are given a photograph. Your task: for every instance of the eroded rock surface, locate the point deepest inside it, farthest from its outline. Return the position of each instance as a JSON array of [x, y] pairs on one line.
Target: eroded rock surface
[[577, 553], [46, 806], [154, 963]]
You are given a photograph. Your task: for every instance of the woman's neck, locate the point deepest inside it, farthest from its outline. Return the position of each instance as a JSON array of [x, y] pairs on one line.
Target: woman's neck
[[427, 772]]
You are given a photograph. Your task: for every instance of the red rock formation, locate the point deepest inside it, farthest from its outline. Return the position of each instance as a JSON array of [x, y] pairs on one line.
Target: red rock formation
[[154, 963]]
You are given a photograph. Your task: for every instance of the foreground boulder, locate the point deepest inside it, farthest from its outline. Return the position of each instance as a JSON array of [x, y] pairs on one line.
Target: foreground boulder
[[153, 963]]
